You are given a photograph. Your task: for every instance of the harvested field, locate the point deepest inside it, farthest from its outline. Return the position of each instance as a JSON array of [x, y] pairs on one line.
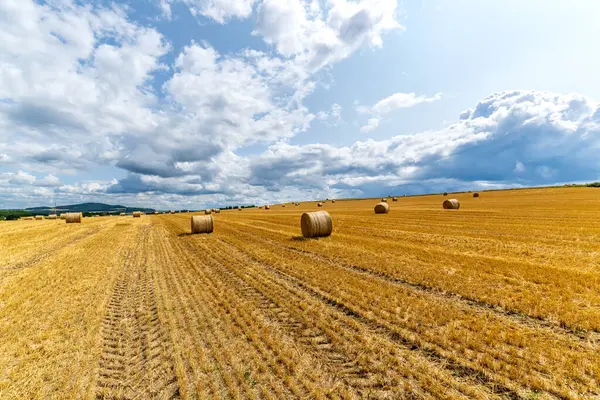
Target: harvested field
[[498, 299]]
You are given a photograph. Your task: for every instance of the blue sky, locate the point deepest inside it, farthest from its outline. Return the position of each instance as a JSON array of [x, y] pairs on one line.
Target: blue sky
[[199, 103]]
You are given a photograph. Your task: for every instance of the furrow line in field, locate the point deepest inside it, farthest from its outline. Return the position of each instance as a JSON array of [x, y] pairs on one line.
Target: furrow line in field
[[433, 352], [135, 360], [372, 361], [586, 337]]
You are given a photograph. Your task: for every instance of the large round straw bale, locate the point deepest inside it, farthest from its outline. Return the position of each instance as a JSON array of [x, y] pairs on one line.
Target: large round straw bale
[[73, 218], [319, 204], [202, 224], [382, 208], [394, 199], [451, 204], [207, 212], [137, 214], [316, 224], [475, 194], [39, 217], [51, 216]]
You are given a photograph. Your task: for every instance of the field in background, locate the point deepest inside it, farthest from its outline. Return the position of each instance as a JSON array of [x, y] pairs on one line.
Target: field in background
[[499, 299]]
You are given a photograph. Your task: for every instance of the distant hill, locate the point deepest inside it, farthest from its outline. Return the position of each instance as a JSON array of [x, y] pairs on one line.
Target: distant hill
[[89, 208]]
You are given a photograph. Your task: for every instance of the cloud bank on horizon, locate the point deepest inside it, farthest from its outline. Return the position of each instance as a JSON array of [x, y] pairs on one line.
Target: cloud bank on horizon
[[85, 87]]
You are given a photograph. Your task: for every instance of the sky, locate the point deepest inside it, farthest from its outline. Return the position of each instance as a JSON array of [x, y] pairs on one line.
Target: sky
[[206, 103]]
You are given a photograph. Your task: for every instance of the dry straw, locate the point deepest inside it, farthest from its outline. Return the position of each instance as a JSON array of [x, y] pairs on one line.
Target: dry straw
[[475, 194], [451, 204], [202, 224], [39, 217], [73, 218], [382, 208], [51, 216], [207, 212], [316, 224], [319, 204], [137, 214]]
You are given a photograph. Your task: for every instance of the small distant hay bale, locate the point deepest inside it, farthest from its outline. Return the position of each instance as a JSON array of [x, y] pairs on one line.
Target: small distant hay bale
[[39, 217], [27, 218], [333, 201], [283, 205], [445, 193], [267, 207], [451, 204], [202, 224], [384, 200], [137, 214], [73, 218], [394, 199], [207, 212], [297, 204], [217, 211], [172, 212], [155, 212], [122, 214], [319, 204], [63, 216], [316, 224], [240, 208], [475, 194], [382, 208], [51, 216]]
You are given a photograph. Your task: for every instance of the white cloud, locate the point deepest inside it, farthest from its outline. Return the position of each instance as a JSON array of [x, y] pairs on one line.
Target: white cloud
[[401, 100], [21, 178], [220, 10], [49, 181], [371, 125]]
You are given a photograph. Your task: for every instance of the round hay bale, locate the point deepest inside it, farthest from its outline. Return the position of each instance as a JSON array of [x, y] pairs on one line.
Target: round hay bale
[[63, 216], [475, 194], [394, 199], [319, 204], [155, 212], [202, 224], [39, 217], [384, 200], [283, 205], [333, 201], [120, 214], [51, 216], [137, 214], [297, 204], [27, 218], [451, 204], [207, 212], [445, 193], [172, 212], [267, 207], [217, 211], [73, 218], [382, 208], [316, 224]]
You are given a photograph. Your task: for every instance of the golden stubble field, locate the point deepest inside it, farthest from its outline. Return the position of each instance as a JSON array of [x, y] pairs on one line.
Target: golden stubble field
[[499, 299]]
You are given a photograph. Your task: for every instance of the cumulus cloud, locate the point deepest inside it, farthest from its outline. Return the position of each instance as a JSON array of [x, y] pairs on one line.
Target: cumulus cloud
[[517, 137], [371, 125]]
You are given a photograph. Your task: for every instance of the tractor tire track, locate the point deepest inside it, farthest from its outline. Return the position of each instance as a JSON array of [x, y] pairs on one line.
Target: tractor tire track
[[136, 353]]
